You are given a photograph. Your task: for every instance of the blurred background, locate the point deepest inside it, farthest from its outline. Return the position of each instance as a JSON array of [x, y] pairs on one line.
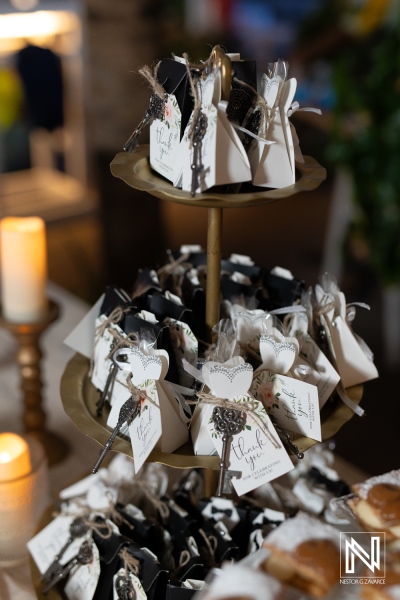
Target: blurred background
[[70, 95]]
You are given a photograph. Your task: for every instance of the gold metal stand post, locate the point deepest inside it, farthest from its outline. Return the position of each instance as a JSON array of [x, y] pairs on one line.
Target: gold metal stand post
[[214, 236], [29, 356]]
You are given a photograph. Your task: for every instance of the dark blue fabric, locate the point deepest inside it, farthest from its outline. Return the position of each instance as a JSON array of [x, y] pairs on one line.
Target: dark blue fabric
[[41, 74]]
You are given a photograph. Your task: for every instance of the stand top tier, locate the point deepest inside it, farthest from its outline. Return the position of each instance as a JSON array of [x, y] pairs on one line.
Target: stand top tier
[[134, 169]]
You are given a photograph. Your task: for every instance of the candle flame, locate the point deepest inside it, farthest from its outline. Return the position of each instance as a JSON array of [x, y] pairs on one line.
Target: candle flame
[[5, 457]]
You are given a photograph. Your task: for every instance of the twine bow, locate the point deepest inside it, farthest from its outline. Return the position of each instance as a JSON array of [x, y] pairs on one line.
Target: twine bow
[[130, 563], [162, 508], [248, 406]]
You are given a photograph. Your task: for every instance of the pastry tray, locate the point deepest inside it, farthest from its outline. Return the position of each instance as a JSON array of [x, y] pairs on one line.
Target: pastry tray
[[79, 398]]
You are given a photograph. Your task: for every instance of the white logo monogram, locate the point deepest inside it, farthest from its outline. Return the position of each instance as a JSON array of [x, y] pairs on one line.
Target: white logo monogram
[[367, 549]]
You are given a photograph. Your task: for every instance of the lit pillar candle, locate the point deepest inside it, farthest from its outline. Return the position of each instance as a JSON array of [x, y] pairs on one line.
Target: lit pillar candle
[[23, 494], [23, 269], [15, 459]]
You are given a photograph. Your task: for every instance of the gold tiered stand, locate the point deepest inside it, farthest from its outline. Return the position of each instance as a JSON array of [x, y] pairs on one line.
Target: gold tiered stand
[[79, 395]]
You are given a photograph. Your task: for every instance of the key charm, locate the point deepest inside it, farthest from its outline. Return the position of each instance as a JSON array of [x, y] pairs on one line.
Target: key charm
[[83, 557], [109, 382], [155, 111], [124, 588], [228, 422], [198, 134], [78, 528], [285, 439], [128, 412]]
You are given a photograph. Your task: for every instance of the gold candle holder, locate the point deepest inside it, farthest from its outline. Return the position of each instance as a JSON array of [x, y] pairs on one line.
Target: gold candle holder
[[29, 356]]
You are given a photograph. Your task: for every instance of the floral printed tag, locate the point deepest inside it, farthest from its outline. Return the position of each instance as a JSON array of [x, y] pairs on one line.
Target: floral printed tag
[[146, 429], [256, 451], [165, 139], [294, 404]]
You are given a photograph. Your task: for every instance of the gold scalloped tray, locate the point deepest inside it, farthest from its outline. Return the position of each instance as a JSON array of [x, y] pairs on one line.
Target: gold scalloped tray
[[79, 399], [134, 169]]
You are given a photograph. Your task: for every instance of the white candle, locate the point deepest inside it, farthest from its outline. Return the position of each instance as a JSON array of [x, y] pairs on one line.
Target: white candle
[[23, 269], [23, 494], [15, 458]]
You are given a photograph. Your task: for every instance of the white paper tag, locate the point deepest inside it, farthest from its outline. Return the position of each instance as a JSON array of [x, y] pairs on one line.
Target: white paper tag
[[81, 338], [165, 138], [45, 545], [140, 594], [252, 451], [82, 582], [321, 374], [294, 404], [145, 430], [81, 487], [102, 348], [223, 156]]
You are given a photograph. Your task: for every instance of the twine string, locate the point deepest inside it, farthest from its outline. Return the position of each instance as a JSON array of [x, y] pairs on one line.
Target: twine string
[[140, 395], [161, 506], [211, 543], [122, 341], [196, 100], [247, 406], [151, 77], [113, 318], [130, 563]]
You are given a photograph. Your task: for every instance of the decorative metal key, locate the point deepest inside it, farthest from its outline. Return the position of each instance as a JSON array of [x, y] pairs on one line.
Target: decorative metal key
[[228, 422], [124, 588], [128, 412], [198, 134], [78, 528], [83, 557], [155, 111], [109, 381], [285, 439]]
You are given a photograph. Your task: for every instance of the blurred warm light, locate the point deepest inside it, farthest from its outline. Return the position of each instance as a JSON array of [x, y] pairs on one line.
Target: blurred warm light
[[15, 460], [5, 457], [24, 4], [39, 27], [37, 24]]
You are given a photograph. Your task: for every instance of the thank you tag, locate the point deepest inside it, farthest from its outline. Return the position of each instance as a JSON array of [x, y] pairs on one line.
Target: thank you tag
[[82, 582], [294, 404], [256, 451], [45, 545], [145, 430], [165, 138], [223, 157]]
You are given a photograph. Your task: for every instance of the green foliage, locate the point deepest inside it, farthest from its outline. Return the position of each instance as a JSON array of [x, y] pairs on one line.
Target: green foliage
[[366, 140]]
